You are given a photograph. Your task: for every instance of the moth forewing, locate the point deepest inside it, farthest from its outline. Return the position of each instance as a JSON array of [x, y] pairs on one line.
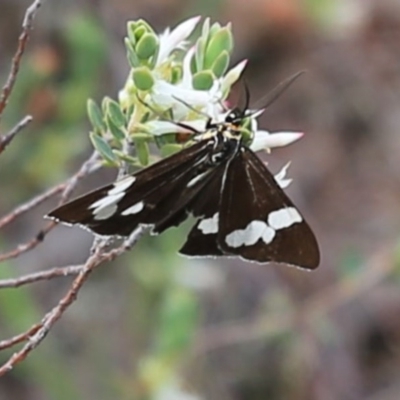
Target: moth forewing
[[194, 189], [118, 208], [202, 238]]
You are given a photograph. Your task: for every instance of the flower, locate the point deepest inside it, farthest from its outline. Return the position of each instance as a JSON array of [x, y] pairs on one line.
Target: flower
[[281, 179], [175, 39], [167, 90], [264, 140]]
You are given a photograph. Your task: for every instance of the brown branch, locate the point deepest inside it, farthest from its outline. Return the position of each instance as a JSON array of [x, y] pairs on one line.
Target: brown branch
[[22, 41], [31, 244], [6, 344], [40, 276], [29, 205], [41, 330], [6, 139], [87, 168]]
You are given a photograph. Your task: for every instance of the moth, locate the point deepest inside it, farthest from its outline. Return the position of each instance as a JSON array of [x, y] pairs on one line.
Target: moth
[[240, 208]]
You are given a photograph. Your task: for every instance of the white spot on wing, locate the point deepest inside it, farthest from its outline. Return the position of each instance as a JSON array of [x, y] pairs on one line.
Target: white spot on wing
[[106, 201], [122, 185], [248, 236], [209, 225], [268, 235], [136, 208], [283, 218], [105, 212]]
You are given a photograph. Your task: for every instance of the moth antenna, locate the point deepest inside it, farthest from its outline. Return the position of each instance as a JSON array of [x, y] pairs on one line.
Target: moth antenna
[[277, 91], [247, 96]]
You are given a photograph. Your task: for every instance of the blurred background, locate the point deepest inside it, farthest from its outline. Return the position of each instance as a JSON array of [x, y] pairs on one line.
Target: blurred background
[[154, 325]]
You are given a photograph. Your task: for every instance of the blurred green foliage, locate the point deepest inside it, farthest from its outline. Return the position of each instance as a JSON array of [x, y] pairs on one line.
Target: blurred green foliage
[[53, 85]]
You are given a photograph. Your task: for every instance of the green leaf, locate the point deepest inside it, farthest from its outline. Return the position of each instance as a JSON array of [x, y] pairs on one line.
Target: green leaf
[[143, 136], [115, 113], [215, 27], [143, 78], [169, 149], [95, 116], [130, 28], [103, 148], [131, 54], [199, 54], [139, 32], [147, 46], [222, 40], [117, 132], [203, 80], [142, 150], [221, 64], [125, 157], [205, 30]]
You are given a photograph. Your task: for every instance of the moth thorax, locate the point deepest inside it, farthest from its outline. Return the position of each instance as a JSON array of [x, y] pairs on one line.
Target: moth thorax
[[232, 133]]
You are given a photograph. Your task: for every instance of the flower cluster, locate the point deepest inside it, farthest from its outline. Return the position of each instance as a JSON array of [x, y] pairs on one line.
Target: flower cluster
[[172, 81]]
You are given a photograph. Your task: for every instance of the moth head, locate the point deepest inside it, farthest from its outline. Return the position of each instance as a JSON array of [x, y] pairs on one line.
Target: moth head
[[235, 117], [238, 124]]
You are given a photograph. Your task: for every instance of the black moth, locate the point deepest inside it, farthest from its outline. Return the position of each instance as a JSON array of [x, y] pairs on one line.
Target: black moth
[[240, 208]]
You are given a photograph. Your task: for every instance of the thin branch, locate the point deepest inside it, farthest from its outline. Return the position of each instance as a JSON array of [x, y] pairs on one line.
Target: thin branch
[[97, 258], [87, 168], [7, 139], [40, 276], [6, 344], [31, 244], [22, 41], [29, 205]]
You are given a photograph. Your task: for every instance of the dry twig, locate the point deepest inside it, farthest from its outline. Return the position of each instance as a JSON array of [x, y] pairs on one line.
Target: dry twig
[[22, 41], [6, 139], [87, 168], [38, 332], [40, 276]]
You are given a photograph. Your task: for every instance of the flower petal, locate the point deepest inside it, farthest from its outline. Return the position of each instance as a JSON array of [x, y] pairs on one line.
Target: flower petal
[[158, 128], [186, 72], [167, 95], [233, 75], [172, 40], [263, 140], [281, 179]]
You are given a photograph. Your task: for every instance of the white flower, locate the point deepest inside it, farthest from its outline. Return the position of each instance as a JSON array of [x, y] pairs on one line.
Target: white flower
[[175, 39], [169, 96], [264, 140], [208, 102], [281, 179], [233, 75]]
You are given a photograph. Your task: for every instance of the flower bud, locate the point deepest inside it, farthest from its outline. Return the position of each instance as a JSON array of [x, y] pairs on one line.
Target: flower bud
[[221, 41], [147, 46], [143, 78]]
